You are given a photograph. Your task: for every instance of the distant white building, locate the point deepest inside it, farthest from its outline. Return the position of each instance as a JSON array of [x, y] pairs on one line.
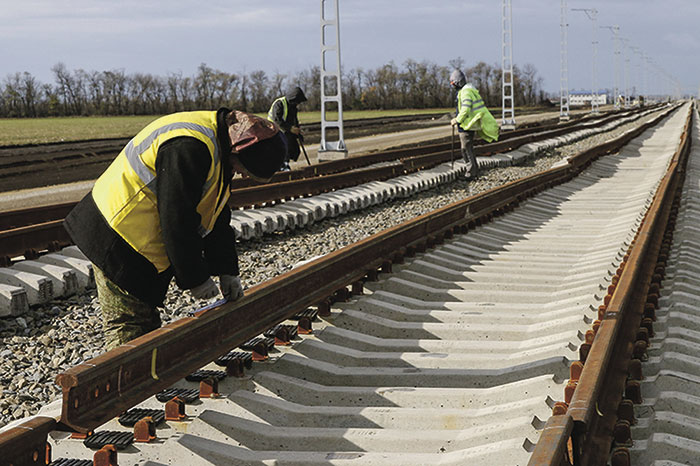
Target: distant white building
[[584, 98]]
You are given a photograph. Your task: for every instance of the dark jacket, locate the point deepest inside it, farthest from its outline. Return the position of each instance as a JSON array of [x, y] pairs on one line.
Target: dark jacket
[[182, 164]]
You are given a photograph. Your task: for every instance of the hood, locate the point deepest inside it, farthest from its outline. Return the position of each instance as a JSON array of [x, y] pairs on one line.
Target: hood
[[457, 79], [295, 96]]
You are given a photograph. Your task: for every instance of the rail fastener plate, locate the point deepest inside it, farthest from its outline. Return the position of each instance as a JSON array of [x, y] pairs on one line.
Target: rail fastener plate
[[188, 395], [120, 440], [134, 415], [203, 374]]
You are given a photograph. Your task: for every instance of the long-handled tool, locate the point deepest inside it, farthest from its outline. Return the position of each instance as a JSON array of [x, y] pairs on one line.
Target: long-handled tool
[[303, 149], [453, 147]]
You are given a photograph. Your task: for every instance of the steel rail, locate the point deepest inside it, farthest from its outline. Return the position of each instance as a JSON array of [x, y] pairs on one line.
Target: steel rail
[[324, 177], [99, 389], [34, 215], [265, 194], [72, 161], [507, 141], [25, 445], [583, 435], [119, 142]]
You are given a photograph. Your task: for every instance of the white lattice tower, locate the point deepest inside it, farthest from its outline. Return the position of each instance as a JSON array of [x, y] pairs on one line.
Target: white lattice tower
[[507, 100], [564, 67], [330, 76]]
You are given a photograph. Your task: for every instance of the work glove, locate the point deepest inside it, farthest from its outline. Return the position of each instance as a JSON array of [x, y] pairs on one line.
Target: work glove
[[231, 287], [206, 290], [295, 130], [454, 122]]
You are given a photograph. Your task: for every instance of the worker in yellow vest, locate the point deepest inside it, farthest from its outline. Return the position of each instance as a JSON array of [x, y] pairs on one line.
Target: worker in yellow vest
[[283, 112], [160, 211], [473, 118]]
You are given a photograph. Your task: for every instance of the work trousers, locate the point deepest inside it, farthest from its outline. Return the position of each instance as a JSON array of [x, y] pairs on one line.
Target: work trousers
[[292, 147], [466, 139], [124, 317]]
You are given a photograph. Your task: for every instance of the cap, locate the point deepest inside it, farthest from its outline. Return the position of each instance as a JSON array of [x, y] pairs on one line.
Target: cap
[[258, 144]]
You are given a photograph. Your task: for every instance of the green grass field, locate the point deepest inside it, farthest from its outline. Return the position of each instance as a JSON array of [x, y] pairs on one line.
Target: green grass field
[[43, 130]]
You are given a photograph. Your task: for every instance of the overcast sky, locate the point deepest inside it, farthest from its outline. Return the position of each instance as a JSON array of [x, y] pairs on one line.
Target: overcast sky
[[160, 37]]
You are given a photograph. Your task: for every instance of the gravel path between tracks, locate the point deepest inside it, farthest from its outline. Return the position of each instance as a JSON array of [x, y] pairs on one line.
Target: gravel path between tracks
[[51, 338]]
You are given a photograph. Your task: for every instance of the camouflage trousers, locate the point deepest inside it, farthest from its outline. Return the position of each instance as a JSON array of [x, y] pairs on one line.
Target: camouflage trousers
[[124, 317], [466, 140]]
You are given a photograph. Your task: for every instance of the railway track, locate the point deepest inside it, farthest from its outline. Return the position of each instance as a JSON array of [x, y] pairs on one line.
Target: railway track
[[65, 162], [458, 355], [28, 232], [665, 424]]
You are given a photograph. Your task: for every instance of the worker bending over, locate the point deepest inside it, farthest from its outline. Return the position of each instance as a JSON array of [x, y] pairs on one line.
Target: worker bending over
[[160, 211], [472, 117], [283, 111]]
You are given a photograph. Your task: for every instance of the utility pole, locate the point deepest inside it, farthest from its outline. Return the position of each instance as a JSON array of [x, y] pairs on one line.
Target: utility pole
[[626, 59], [641, 93], [640, 71], [651, 76], [331, 91], [647, 78], [656, 81], [507, 101], [564, 67], [616, 65], [592, 14]]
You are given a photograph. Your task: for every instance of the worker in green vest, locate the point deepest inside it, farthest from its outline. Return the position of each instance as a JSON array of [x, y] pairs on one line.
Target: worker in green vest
[[283, 112], [160, 210], [473, 118]]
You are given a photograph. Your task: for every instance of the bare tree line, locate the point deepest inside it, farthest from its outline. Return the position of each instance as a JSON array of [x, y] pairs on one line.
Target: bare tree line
[[412, 85]]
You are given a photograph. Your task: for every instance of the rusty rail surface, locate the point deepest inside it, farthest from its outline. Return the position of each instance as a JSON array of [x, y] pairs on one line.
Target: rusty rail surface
[[26, 445], [100, 389], [27, 232], [585, 431], [260, 194]]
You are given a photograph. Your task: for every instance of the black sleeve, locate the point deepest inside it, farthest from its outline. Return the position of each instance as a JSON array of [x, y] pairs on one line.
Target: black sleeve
[[278, 114], [220, 246], [182, 165]]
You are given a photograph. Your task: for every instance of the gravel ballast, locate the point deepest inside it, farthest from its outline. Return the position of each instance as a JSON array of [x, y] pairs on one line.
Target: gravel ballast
[[51, 338]]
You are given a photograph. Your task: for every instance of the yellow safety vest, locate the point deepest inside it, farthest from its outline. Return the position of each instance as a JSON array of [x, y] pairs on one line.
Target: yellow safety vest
[[472, 114], [285, 106], [125, 192]]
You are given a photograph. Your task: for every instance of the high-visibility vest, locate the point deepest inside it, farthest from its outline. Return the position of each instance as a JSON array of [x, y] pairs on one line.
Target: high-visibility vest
[[125, 192], [285, 106], [472, 114]]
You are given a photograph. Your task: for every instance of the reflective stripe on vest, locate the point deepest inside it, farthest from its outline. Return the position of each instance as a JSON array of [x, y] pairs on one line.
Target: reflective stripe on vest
[[125, 192], [285, 107], [133, 153], [475, 114], [466, 98]]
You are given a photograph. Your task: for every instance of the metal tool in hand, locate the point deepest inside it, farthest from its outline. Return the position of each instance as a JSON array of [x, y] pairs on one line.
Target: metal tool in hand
[[453, 147], [303, 149]]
